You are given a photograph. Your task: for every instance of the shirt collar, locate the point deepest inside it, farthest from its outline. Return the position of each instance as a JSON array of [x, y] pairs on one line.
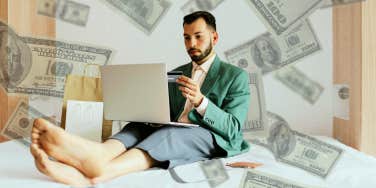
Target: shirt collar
[[206, 65]]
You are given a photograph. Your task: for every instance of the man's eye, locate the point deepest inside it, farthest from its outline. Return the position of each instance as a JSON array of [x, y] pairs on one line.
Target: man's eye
[[198, 36]]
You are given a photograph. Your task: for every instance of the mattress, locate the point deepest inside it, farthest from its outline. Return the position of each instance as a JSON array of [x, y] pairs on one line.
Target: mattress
[[353, 169]]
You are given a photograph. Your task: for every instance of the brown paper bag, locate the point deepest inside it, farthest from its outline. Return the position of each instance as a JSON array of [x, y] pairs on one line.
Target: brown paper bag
[[84, 89]]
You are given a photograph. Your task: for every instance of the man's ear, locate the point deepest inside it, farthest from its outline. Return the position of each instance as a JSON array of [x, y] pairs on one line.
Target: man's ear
[[215, 37]]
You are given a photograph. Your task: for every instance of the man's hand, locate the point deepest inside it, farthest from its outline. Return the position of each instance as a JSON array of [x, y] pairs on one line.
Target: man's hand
[[190, 90]]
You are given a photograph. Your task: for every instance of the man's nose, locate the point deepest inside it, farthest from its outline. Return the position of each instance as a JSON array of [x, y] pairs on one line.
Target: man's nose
[[192, 43]]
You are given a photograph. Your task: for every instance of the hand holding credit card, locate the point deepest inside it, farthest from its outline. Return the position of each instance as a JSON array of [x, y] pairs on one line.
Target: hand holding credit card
[[173, 76]]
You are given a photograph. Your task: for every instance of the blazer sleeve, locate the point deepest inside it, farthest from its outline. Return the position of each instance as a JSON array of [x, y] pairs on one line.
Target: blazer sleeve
[[228, 119]]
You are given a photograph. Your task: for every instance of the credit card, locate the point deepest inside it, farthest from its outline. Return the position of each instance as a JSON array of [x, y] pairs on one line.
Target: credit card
[[173, 76]]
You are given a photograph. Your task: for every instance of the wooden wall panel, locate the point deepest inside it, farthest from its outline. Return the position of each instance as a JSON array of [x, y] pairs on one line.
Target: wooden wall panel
[[347, 66], [23, 19], [369, 78], [354, 56]]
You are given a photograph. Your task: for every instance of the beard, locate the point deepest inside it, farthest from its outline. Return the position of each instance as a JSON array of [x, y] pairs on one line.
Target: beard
[[206, 53]]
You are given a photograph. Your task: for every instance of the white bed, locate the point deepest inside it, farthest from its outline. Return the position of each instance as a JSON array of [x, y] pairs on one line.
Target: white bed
[[354, 169]]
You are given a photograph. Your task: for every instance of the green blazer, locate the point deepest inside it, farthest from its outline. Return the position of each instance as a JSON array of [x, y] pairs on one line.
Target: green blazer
[[226, 87]]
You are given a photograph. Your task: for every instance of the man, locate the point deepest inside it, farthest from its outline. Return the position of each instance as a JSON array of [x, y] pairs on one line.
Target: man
[[266, 54], [214, 95]]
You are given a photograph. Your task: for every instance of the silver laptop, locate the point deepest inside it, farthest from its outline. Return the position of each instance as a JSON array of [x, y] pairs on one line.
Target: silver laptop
[[137, 93]]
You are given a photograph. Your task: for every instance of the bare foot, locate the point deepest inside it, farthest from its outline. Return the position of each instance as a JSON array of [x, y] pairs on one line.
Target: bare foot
[[59, 172], [87, 156]]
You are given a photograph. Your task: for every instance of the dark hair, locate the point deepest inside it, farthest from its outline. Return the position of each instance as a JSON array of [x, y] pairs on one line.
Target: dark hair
[[209, 18]]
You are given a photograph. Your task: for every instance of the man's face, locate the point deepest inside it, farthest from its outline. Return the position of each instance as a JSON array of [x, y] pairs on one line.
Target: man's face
[[266, 51], [199, 40]]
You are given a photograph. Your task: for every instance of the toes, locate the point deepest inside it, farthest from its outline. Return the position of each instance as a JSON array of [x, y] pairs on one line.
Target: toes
[[38, 153], [33, 151], [40, 163], [40, 125], [35, 137]]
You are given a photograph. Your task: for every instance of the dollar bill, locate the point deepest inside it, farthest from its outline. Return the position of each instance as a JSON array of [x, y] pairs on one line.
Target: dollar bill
[[73, 12], [144, 13], [281, 15], [3, 56], [299, 150], [214, 171], [255, 124], [196, 5], [21, 121], [253, 179], [47, 7], [269, 52], [15, 57], [50, 61], [66, 10], [298, 82], [331, 3]]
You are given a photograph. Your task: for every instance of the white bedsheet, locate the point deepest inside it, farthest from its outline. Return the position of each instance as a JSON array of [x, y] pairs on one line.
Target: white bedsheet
[[354, 169]]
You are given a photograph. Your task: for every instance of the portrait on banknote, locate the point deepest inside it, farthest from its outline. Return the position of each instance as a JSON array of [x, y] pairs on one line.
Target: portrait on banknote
[[19, 60], [281, 139], [15, 57], [266, 53], [3, 55]]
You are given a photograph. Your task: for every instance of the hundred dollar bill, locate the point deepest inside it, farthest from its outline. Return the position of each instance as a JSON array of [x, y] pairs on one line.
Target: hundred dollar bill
[[299, 150], [145, 13], [20, 123], [255, 124], [268, 52], [66, 10], [3, 56], [253, 179], [47, 7], [51, 61], [214, 171], [280, 15], [298, 82], [196, 5], [331, 3], [15, 57]]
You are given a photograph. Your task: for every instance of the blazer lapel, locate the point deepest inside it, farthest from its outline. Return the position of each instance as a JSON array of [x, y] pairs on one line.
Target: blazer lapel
[[180, 100], [211, 77]]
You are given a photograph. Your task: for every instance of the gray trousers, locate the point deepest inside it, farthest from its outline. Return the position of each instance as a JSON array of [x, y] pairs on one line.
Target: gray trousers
[[170, 145]]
